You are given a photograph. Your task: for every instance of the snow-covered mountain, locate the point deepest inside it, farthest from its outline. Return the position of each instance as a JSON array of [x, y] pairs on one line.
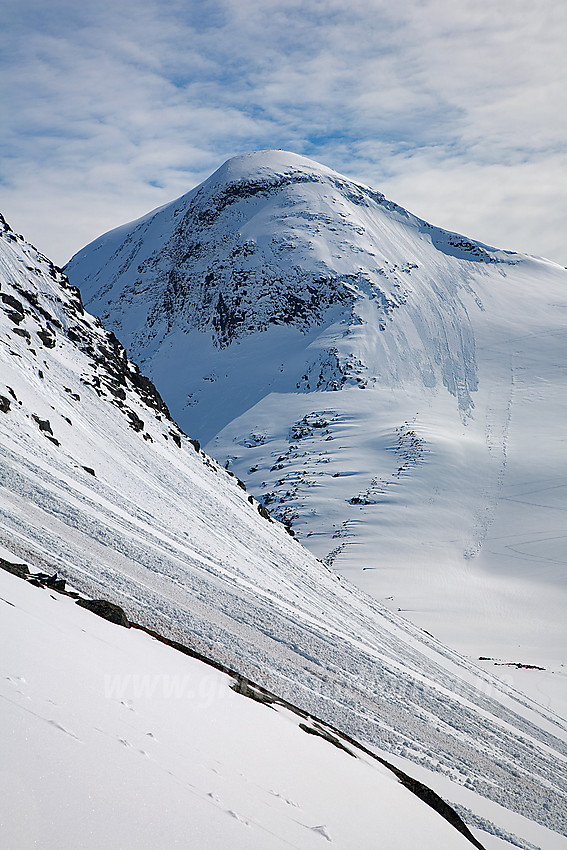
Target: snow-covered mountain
[[101, 486], [393, 392]]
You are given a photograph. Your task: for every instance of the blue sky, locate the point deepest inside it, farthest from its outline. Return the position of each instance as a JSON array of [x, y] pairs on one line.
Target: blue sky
[[455, 109]]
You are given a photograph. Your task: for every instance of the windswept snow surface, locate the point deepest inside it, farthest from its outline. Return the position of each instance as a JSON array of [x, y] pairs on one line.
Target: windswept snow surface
[[394, 392], [100, 485], [117, 741]]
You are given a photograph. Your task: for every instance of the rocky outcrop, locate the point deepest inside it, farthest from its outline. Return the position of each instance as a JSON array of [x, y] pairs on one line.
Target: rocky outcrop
[[107, 610]]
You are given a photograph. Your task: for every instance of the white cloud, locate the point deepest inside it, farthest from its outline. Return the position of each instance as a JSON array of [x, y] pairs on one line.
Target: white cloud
[[514, 207], [454, 110]]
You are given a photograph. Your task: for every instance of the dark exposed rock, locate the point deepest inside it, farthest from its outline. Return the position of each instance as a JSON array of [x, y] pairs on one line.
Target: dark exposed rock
[[146, 390], [19, 570], [13, 302], [55, 583], [5, 227], [73, 335], [135, 422], [107, 610], [117, 392], [47, 338], [30, 297], [264, 513], [90, 470], [120, 373], [226, 321], [242, 686], [430, 797], [43, 424], [23, 333], [322, 733], [116, 373], [4, 404], [436, 802]]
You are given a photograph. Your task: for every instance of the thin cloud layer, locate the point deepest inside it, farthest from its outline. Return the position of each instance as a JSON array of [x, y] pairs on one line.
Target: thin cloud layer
[[456, 111]]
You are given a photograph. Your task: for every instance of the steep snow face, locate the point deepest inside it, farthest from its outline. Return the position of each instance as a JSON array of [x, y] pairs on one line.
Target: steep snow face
[[98, 484], [394, 392]]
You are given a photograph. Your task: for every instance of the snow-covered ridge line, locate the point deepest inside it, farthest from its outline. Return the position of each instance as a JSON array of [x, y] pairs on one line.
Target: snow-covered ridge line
[[61, 310], [128, 511]]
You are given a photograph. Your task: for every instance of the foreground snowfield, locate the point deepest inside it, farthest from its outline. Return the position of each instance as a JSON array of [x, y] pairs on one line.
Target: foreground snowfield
[[99, 485], [91, 761], [116, 740], [393, 391]]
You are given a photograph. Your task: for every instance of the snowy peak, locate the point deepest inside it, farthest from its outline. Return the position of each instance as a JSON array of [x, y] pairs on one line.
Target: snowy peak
[[235, 255], [273, 240], [267, 172], [270, 163], [269, 225]]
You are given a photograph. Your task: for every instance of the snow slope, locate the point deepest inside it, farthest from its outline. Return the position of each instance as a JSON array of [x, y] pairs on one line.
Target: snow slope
[[392, 391], [101, 486], [92, 762]]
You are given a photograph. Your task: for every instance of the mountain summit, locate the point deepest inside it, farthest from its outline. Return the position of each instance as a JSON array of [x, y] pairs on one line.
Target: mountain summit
[[392, 391], [273, 239]]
